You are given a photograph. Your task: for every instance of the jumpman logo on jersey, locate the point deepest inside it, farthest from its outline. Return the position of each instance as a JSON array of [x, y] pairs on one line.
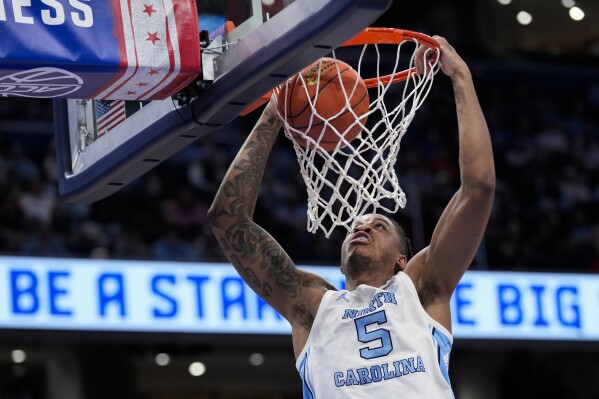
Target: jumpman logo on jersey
[[342, 296]]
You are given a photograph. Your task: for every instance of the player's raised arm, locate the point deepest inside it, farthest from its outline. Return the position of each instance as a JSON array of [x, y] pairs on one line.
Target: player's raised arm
[[257, 256], [460, 229]]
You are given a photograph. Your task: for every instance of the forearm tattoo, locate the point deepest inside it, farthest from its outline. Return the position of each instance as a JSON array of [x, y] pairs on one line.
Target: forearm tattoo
[[243, 240]]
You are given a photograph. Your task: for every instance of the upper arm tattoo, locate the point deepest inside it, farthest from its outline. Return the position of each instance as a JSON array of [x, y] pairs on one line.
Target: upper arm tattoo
[[247, 239], [250, 277]]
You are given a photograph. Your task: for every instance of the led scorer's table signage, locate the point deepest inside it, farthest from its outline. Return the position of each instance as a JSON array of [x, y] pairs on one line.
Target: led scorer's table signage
[[79, 294]]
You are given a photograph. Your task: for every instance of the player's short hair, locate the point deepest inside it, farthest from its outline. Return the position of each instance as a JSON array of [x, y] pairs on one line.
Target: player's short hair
[[405, 241]]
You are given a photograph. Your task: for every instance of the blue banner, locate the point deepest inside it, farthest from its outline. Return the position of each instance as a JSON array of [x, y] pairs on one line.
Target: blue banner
[[79, 294]]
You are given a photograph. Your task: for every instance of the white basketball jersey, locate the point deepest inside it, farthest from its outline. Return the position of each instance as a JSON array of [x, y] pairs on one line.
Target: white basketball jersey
[[376, 343]]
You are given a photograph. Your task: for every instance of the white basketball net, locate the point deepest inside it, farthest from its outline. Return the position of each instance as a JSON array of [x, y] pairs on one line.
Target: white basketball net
[[358, 177]]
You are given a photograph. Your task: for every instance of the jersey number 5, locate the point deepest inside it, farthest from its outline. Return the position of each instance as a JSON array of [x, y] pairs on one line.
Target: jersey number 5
[[383, 336]]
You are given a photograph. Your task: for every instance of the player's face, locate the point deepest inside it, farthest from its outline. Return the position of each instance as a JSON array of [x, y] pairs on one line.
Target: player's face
[[374, 237]]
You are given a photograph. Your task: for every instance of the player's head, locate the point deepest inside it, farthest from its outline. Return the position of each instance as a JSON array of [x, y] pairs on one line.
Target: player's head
[[376, 242]]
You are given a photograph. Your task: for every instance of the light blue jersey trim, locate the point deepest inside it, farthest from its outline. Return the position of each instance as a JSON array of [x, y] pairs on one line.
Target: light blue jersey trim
[[443, 345], [308, 388]]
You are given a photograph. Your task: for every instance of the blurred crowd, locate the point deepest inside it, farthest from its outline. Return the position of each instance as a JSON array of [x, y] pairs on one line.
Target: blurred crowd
[[545, 132]]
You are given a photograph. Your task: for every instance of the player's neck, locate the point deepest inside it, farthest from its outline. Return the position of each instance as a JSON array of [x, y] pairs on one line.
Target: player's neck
[[371, 279]]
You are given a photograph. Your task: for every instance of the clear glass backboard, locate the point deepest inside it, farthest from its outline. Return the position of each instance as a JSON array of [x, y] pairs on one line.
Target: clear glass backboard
[[250, 46]]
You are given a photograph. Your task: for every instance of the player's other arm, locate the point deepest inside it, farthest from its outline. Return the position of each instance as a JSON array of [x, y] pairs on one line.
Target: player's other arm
[[257, 256], [460, 229]]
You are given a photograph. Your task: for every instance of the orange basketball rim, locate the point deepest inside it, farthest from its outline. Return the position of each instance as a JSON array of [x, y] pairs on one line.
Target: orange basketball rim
[[373, 36]]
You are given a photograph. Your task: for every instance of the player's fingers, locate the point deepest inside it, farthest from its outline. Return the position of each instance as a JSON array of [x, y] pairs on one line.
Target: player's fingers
[[419, 59], [445, 50], [429, 57], [445, 46], [441, 40]]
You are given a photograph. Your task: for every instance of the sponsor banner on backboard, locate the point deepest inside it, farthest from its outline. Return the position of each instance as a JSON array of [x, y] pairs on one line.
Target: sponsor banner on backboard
[[101, 49], [80, 294]]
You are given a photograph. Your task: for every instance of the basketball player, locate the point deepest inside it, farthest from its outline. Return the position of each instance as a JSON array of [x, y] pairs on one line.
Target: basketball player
[[389, 333]]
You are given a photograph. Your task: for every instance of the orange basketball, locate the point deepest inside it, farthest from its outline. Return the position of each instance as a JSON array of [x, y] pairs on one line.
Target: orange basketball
[[329, 101]]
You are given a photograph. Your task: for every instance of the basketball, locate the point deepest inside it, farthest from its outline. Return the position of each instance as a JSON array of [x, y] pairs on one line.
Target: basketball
[[327, 84]]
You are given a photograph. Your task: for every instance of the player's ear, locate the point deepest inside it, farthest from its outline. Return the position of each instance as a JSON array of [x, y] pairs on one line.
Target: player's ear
[[341, 270], [400, 263]]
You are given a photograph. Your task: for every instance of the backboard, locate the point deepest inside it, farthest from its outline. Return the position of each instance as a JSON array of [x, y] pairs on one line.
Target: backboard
[[253, 46]]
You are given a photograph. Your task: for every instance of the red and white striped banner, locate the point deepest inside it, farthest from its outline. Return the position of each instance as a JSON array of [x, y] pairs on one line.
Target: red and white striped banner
[[108, 50], [159, 49]]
